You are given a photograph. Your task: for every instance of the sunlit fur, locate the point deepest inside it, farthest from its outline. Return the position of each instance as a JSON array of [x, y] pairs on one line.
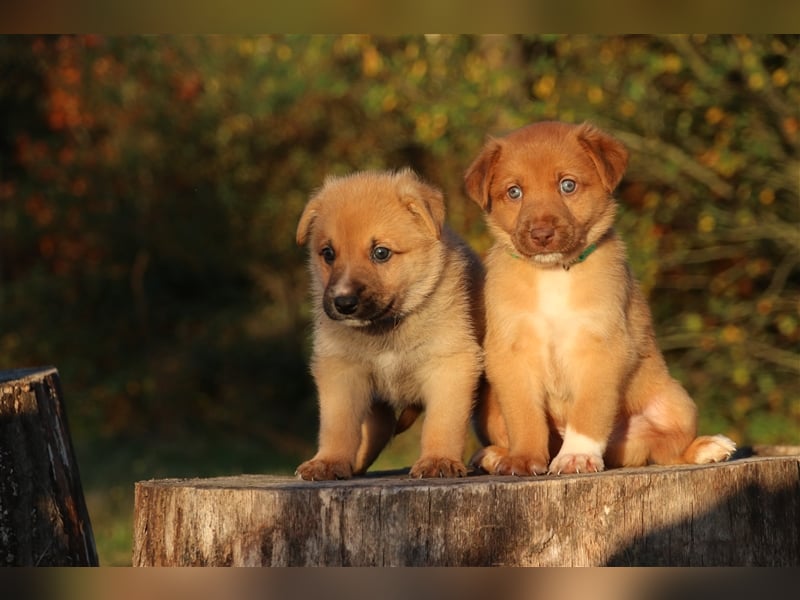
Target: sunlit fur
[[409, 340], [571, 358]]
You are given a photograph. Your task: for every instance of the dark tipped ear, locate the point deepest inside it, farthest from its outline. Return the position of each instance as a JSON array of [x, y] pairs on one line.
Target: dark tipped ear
[[479, 174], [425, 201], [307, 219], [608, 154]]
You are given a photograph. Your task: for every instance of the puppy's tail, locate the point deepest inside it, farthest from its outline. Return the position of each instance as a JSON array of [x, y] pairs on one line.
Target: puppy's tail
[[407, 418]]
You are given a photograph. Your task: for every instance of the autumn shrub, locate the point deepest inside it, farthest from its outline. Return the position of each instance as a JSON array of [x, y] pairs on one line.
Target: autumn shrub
[[150, 188]]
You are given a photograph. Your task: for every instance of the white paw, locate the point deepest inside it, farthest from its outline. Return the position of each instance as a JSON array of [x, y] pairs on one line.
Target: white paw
[[714, 448], [576, 463]]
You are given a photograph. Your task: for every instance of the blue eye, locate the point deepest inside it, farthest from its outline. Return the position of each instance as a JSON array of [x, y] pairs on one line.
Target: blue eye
[[567, 185], [327, 254], [381, 254], [514, 192]]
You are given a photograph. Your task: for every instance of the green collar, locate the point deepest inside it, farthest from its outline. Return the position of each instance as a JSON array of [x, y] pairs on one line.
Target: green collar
[[581, 257]]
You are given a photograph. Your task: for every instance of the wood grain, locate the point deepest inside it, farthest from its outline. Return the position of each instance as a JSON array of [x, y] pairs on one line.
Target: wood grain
[[43, 516], [744, 512]]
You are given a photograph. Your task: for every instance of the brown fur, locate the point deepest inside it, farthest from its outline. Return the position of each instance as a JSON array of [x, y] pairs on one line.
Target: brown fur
[[391, 336], [571, 358]]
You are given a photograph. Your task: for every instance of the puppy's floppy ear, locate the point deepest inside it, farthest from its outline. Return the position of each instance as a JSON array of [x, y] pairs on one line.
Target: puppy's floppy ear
[[608, 154], [479, 174], [307, 219], [423, 200]]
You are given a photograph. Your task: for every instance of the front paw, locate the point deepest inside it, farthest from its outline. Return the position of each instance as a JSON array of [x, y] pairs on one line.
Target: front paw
[[323, 470], [576, 463], [486, 458], [521, 465], [437, 467]]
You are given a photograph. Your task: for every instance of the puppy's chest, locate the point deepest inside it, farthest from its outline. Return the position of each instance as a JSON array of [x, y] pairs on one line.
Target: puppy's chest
[[554, 311], [549, 315], [394, 376]]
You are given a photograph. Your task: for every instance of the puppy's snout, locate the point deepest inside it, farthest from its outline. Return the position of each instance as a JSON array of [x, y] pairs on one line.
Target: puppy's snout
[[346, 304]]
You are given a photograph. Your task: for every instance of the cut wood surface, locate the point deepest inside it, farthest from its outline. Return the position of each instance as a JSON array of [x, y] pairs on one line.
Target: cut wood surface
[[43, 516], [743, 512]]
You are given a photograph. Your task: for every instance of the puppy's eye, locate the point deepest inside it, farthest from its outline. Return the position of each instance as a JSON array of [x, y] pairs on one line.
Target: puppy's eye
[[567, 185], [381, 254], [327, 254], [514, 192]]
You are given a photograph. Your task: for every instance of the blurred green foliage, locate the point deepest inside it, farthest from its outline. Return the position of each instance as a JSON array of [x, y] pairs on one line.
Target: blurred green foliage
[[150, 187]]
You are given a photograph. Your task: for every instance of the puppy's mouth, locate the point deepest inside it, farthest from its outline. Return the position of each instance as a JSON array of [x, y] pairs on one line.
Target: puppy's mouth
[[357, 311], [549, 258]]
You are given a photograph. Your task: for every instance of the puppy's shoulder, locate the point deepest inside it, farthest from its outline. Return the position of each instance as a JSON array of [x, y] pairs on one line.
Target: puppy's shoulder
[[460, 258], [502, 262], [611, 261]]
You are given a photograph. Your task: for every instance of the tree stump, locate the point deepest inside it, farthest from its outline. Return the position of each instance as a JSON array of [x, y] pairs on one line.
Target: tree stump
[[743, 512], [43, 516]]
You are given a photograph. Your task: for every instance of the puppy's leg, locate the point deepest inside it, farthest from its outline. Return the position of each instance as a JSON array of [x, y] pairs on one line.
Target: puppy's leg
[[662, 428], [448, 392], [672, 415], [376, 431], [596, 400], [528, 435], [490, 427], [344, 400], [488, 418], [514, 379]]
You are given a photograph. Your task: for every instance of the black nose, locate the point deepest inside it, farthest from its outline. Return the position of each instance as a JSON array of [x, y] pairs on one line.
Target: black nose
[[346, 305]]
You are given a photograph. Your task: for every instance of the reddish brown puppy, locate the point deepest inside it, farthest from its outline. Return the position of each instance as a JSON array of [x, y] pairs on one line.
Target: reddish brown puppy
[[571, 358]]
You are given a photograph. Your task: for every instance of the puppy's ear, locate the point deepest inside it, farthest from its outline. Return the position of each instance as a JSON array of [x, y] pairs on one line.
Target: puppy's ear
[[608, 154], [307, 219], [423, 200], [479, 174]]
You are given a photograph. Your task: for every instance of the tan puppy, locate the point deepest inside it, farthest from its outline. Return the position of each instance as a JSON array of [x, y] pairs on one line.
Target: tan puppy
[[571, 357], [396, 298]]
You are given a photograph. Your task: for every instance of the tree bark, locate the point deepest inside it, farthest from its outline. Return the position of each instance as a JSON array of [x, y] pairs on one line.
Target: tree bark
[[43, 516], [743, 512]]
